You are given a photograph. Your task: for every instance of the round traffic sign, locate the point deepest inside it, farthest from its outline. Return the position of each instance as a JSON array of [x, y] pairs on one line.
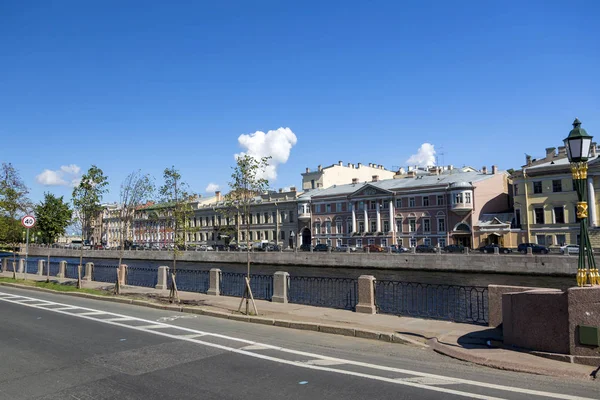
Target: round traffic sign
[[28, 221]]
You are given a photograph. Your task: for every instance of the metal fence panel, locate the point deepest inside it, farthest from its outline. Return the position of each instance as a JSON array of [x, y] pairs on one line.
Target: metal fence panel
[[54, 268], [323, 291], [142, 276], [104, 273], [31, 266], [233, 284], [191, 280], [468, 304], [71, 271]]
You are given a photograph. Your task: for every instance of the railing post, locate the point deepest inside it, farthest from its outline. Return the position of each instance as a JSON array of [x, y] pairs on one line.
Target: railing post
[[214, 282], [389, 250], [22, 266], [89, 267], [161, 282], [466, 250], [62, 266], [40, 270], [280, 288], [496, 250], [122, 274], [366, 295], [529, 251], [5, 264], [413, 250]]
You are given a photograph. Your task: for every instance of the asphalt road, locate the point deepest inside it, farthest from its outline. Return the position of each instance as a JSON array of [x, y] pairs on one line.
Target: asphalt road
[[60, 347]]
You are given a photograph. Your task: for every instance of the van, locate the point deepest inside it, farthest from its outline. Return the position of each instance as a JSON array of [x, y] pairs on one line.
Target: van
[[260, 246], [76, 244]]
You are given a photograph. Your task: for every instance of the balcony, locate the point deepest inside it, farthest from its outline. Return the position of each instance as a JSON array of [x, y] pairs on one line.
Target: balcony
[[304, 216], [461, 208]]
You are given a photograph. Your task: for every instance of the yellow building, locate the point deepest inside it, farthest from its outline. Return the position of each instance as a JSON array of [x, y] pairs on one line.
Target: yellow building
[[545, 200]]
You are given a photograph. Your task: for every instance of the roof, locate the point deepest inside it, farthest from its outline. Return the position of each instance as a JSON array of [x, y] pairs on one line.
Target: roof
[[489, 220], [443, 180]]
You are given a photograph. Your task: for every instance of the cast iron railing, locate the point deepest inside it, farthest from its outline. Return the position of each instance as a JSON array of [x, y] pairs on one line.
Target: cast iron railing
[[142, 276], [104, 273], [323, 291], [71, 270], [233, 284], [191, 280], [468, 304], [31, 267]]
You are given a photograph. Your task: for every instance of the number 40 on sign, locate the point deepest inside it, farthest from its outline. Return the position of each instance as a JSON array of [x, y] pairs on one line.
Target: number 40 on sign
[[28, 221]]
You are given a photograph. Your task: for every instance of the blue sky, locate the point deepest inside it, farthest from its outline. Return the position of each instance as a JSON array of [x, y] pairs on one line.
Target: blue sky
[[144, 85]]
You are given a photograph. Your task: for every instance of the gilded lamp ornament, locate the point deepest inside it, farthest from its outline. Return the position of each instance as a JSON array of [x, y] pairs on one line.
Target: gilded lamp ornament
[[578, 145]]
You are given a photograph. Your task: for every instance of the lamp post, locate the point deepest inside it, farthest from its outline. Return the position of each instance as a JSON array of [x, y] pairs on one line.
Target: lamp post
[[578, 145]]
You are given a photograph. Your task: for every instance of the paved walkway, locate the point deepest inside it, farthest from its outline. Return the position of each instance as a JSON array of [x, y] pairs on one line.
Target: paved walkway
[[478, 344]]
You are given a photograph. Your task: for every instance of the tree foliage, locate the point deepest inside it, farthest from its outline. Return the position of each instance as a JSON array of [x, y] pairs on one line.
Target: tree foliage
[[87, 197], [14, 203], [53, 217]]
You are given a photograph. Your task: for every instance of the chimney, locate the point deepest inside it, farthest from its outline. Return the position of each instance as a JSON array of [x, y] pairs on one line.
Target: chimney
[[354, 180], [292, 188], [484, 170], [450, 167], [218, 195], [370, 164], [349, 165], [340, 163], [593, 149], [375, 178], [562, 150], [280, 190], [528, 160], [307, 170], [550, 153], [494, 169], [359, 165], [320, 168]]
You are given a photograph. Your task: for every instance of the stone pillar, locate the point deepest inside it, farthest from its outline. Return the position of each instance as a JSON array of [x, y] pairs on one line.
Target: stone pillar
[[592, 202], [21, 265], [413, 250], [62, 266], [40, 270], [496, 250], [214, 288], [280, 287], [122, 274], [377, 207], [392, 219], [5, 264], [366, 219], [529, 251], [353, 205], [162, 277], [366, 294], [89, 268]]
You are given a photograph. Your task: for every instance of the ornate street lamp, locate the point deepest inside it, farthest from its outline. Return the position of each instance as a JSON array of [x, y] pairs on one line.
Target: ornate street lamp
[[578, 145]]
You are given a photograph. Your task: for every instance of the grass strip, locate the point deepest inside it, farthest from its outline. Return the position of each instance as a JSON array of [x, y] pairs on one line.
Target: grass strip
[[59, 287]]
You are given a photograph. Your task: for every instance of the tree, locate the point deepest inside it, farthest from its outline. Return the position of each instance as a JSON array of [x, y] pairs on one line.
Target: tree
[[247, 183], [178, 198], [136, 189], [53, 217], [86, 203], [13, 203]]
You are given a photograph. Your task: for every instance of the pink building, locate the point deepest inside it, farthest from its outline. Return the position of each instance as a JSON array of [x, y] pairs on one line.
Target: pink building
[[436, 208]]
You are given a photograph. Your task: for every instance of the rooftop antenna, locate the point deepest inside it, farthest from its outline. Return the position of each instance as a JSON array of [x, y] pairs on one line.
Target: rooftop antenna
[[438, 154]]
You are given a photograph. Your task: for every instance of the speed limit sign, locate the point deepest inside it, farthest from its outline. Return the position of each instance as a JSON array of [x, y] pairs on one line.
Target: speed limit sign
[[28, 221]]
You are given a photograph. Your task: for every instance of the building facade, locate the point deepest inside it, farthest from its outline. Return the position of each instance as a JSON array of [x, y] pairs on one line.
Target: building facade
[[435, 209], [338, 174], [545, 200]]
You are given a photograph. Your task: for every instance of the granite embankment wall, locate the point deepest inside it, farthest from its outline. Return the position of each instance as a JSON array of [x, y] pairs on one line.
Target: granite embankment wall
[[544, 265]]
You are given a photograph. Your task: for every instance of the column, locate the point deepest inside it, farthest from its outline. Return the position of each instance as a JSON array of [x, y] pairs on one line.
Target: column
[[61, 269], [353, 205], [161, 282], [592, 201], [280, 286], [366, 295], [366, 218], [392, 219], [378, 216], [89, 268], [40, 270], [214, 287]]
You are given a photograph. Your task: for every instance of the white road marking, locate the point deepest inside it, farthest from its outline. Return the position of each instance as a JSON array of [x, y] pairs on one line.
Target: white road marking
[[429, 381], [156, 326], [304, 364], [115, 319], [323, 362], [255, 347], [93, 313], [193, 335], [64, 308]]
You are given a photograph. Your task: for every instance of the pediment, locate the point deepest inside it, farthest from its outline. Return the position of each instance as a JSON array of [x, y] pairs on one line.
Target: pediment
[[370, 190]]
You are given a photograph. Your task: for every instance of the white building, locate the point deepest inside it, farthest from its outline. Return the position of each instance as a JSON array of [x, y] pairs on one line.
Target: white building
[[338, 174]]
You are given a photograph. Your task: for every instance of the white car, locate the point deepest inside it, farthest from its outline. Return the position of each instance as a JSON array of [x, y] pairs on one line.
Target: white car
[[569, 249], [204, 247], [344, 248]]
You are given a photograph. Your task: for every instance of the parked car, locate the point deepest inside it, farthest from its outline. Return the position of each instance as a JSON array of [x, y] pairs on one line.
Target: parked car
[[535, 248], [491, 248], [569, 249], [454, 248], [305, 247], [321, 247], [273, 247], [220, 247], [344, 248], [425, 248], [399, 249], [204, 247], [373, 248]]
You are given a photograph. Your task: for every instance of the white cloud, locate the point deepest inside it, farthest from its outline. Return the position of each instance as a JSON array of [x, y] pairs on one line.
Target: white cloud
[[66, 175], [212, 187], [276, 144], [425, 156]]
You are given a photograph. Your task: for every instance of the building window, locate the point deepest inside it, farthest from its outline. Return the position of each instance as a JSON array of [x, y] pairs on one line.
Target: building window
[[427, 242], [312, 183], [539, 215], [273, 217], [385, 205], [282, 235], [559, 215], [266, 237], [413, 242], [349, 226], [386, 226], [339, 242], [373, 226], [561, 240], [442, 242], [556, 185], [516, 189], [361, 227], [458, 198], [398, 203], [537, 187], [371, 241], [518, 218], [338, 207], [291, 216], [440, 200], [468, 197], [327, 227], [274, 237], [426, 201], [282, 216], [328, 208], [338, 227], [373, 205], [412, 225], [251, 235], [361, 205], [441, 225], [411, 202], [400, 242], [541, 239], [426, 225], [399, 225], [318, 228], [383, 242], [358, 242]]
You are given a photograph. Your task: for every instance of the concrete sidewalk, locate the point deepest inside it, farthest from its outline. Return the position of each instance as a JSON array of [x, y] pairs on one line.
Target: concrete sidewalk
[[477, 344]]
